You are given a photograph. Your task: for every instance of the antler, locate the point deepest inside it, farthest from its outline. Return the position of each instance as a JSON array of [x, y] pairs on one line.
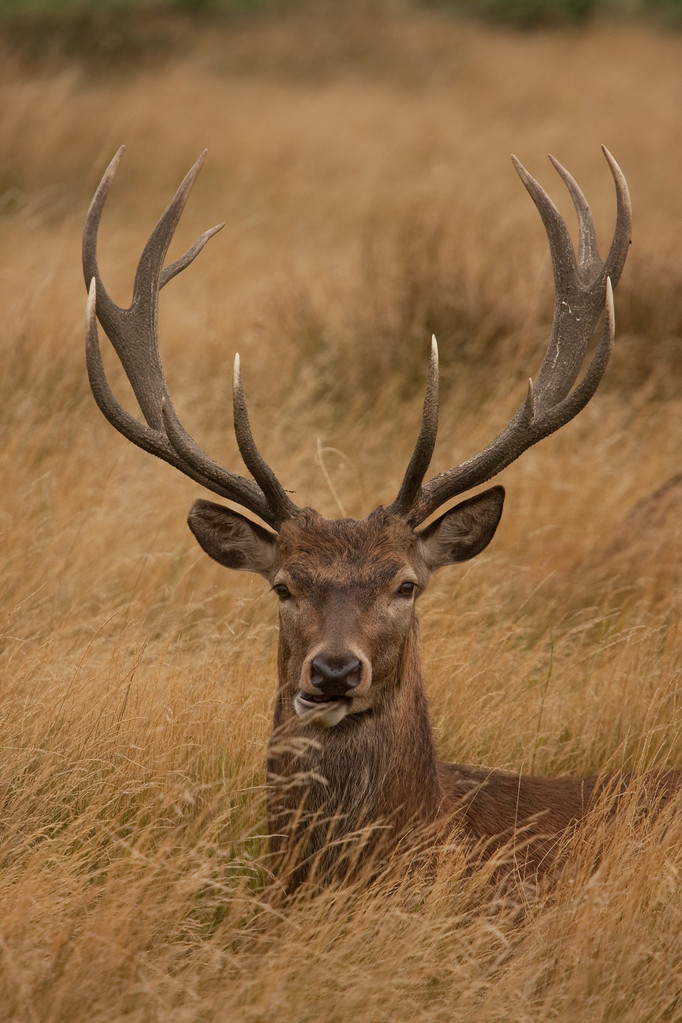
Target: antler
[[134, 334], [583, 289]]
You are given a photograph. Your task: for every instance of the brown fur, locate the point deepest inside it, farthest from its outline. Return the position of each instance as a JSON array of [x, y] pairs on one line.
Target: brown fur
[[339, 794]]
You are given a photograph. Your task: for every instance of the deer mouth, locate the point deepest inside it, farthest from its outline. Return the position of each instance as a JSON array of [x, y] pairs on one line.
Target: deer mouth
[[319, 709], [317, 698]]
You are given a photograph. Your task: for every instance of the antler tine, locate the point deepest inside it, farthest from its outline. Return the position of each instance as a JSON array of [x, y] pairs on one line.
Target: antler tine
[[587, 239], [173, 269], [426, 441], [134, 334], [583, 290], [133, 331], [275, 495], [615, 261]]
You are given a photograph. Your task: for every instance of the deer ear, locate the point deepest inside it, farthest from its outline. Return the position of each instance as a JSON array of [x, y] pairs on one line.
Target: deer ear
[[231, 539], [463, 531]]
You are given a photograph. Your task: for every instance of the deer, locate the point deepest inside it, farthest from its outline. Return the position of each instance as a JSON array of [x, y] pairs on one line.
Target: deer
[[352, 746]]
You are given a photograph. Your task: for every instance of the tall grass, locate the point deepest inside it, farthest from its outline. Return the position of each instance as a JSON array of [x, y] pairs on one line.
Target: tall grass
[[361, 166]]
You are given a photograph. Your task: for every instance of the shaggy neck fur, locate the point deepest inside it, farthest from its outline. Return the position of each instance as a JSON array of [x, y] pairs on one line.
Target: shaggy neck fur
[[336, 793]]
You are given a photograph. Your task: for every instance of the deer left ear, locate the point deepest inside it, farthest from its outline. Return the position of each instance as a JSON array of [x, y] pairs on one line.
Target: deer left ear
[[231, 539], [463, 531]]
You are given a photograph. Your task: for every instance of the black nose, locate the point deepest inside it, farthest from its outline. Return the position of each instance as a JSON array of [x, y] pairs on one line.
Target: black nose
[[335, 676]]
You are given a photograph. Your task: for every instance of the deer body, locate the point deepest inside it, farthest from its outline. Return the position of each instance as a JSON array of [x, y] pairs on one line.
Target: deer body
[[351, 746]]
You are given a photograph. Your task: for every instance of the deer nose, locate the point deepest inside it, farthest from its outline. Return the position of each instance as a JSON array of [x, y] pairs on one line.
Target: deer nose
[[335, 676]]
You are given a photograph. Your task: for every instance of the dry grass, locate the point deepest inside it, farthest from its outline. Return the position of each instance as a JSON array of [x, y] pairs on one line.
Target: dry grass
[[361, 165]]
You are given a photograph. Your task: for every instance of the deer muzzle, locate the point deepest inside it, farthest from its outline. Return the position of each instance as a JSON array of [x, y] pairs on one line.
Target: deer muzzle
[[329, 687], [335, 676]]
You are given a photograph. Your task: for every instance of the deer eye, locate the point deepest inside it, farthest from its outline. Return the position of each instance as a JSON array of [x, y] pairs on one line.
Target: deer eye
[[282, 591], [406, 589]]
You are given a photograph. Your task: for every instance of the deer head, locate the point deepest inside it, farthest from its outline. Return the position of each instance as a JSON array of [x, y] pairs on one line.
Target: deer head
[[347, 588]]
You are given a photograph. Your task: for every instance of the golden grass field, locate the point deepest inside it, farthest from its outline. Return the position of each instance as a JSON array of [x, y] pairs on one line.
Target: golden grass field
[[361, 163]]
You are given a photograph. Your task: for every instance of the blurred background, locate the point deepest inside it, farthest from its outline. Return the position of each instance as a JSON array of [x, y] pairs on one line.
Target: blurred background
[[359, 155]]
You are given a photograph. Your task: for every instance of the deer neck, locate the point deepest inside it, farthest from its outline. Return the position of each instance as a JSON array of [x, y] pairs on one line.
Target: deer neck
[[375, 767]]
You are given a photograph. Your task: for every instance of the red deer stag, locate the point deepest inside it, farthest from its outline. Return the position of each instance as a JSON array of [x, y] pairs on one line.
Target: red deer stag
[[352, 744]]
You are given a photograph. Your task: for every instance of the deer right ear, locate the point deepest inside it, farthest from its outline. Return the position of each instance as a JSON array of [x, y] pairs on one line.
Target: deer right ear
[[231, 539], [463, 531]]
